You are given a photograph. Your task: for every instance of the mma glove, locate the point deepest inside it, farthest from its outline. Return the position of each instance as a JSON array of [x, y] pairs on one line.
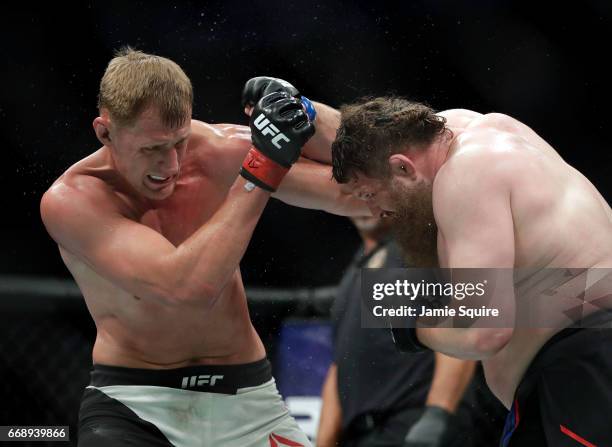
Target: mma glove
[[257, 88], [260, 86], [436, 427], [279, 128]]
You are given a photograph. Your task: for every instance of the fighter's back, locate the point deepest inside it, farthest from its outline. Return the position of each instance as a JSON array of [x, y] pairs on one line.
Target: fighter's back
[[560, 219]]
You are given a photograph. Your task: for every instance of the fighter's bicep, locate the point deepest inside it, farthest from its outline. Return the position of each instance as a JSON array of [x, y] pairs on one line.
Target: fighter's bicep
[[485, 244], [125, 249], [125, 252]]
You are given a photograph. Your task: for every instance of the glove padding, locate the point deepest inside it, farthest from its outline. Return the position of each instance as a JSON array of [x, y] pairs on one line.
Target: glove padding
[[279, 129], [435, 428], [260, 86]]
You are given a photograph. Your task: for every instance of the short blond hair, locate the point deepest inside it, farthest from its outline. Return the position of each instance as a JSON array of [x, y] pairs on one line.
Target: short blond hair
[[135, 80]]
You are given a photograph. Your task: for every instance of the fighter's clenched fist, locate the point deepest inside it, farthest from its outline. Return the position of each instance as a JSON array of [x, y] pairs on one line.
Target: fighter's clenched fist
[[279, 128], [260, 86]]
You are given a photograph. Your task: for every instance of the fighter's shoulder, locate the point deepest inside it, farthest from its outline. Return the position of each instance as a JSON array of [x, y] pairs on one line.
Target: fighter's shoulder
[[74, 194], [207, 137], [474, 170], [473, 123], [459, 117], [492, 122]]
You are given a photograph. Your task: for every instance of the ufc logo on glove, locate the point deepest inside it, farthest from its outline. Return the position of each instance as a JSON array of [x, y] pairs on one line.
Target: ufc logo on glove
[[262, 123]]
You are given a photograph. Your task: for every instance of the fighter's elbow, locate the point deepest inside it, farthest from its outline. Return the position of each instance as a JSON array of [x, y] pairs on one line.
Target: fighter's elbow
[[186, 293], [177, 283], [486, 342]]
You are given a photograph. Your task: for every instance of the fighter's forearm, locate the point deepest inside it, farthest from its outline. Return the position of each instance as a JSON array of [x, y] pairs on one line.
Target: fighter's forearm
[[484, 340], [318, 147], [309, 185], [205, 262], [451, 378], [330, 421], [469, 344]]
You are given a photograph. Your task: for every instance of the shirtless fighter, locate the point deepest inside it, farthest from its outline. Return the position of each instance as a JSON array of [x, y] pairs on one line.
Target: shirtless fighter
[[153, 226], [484, 190]]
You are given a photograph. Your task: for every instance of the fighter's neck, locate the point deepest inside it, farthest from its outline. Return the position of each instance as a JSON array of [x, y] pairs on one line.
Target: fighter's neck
[[438, 153], [122, 186]]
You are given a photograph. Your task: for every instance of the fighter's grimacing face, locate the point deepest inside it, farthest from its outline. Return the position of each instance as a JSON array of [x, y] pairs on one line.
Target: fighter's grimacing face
[[408, 203], [375, 192], [149, 155], [385, 196]]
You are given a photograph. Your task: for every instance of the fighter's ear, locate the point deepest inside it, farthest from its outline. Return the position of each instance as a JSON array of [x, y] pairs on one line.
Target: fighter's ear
[[101, 127], [402, 166]]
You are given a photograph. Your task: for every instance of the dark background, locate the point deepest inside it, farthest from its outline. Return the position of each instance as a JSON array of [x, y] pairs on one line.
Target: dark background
[[543, 63]]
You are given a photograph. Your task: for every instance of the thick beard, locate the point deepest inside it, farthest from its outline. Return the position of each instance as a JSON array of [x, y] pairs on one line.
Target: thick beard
[[414, 224], [375, 228]]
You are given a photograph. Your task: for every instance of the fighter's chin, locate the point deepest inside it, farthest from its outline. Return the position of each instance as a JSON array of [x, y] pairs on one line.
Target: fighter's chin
[[159, 193]]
